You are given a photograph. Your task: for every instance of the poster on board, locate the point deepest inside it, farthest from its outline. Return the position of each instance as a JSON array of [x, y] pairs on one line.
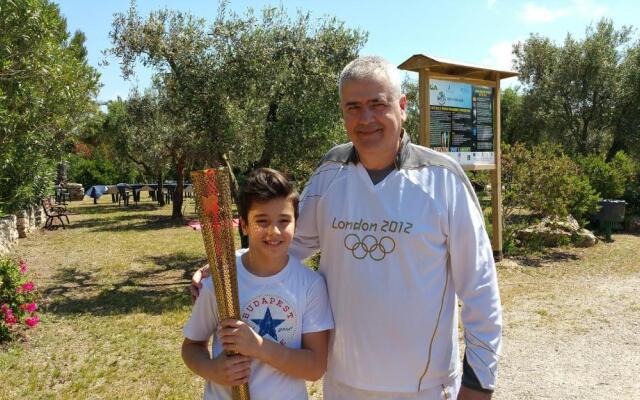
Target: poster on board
[[461, 121]]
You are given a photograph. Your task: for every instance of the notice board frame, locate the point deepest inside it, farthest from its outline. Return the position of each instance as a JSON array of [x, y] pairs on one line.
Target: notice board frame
[[431, 68]]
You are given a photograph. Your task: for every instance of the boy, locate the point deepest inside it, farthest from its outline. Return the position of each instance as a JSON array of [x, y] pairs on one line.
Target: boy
[[282, 338]]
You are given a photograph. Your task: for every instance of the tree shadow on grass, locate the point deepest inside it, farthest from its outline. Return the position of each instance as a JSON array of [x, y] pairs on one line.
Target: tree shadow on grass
[[70, 279], [128, 222], [158, 289], [547, 256], [112, 208], [145, 223]]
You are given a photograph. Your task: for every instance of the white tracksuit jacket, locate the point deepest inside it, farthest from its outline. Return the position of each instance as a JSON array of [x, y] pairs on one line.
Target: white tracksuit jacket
[[396, 257]]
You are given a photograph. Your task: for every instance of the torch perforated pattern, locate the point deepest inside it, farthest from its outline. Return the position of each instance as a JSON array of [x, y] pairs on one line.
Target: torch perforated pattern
[[213, 197]]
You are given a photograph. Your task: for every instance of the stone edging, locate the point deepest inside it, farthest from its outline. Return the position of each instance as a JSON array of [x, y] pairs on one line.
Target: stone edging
[[20, 225]]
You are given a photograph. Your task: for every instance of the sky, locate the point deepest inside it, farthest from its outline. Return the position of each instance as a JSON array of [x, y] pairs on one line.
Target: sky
[[477, 32]]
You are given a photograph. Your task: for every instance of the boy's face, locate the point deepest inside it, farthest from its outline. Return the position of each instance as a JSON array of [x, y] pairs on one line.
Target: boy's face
[[270, 228]]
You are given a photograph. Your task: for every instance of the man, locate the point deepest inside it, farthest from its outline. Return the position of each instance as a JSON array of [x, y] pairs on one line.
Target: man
[[402, 237]]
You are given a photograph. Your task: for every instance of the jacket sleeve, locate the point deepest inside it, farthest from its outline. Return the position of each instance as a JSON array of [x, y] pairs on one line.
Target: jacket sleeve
[[475, 282]]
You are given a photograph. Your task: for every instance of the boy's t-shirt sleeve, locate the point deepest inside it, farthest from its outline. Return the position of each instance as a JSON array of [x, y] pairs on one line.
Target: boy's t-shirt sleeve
[[317, 316], [204, 316]]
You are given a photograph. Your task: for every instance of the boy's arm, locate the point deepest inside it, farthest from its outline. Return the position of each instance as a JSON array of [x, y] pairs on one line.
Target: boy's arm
[[228, 371], [308, 363]]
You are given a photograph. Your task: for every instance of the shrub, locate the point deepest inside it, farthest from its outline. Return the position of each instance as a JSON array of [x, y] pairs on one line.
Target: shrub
[[27, 179], [632, 197], [17, 299], [99, 171], [540, 182], [609, 179], [546, 182]]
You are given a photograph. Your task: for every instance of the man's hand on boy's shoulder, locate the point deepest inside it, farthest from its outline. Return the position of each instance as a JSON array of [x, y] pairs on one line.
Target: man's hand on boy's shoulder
[[238, 337], [196, 281]]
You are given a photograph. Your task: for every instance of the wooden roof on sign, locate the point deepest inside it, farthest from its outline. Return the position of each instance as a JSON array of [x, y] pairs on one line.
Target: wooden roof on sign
[[419, 62]]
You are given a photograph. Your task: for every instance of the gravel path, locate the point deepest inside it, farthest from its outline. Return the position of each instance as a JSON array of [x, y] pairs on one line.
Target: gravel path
[[572, 328], [571, 324]]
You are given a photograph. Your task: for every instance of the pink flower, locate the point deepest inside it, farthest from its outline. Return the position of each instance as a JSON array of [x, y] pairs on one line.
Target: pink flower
[[26, 287], [4, 308], [23, 267], [9, 318], [29, 307], [33, 321]]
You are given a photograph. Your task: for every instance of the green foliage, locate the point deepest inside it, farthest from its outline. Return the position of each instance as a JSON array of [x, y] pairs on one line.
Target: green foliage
[[412, 124], [632, 197], [98, 157], [46, 94], [545, 181], [98, 171], [514, 118], [626, 129], [580, 94], [609, 179], [17, 299], [248, 91], [282, 75]]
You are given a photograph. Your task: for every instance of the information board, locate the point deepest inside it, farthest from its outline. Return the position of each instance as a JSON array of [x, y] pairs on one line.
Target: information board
[[461, 121]]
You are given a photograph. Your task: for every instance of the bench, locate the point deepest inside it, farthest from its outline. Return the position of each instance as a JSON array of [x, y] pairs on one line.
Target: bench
[[52, 212]]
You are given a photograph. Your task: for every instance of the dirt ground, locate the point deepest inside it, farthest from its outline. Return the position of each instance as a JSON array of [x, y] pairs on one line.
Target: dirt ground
[[572, 324]]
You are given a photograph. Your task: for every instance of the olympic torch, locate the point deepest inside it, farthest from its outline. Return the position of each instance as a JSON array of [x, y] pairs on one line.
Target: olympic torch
[[213, 198]]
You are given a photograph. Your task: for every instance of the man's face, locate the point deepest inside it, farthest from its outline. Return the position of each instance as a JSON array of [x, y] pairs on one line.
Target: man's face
[[373, 119]]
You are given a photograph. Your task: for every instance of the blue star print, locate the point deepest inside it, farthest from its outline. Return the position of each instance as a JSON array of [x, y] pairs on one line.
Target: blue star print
[[268, 325]]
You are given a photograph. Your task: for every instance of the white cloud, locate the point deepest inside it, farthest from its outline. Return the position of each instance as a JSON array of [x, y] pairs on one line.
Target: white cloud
[[535, 13], [499, 56], [589, 9]]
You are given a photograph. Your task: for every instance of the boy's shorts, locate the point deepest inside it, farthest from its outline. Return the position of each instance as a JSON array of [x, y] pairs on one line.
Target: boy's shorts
[[333, 390]]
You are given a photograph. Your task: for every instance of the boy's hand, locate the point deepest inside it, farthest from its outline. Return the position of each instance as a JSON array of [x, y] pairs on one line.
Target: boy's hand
[[196, 281], [232, 370], [237, 336]]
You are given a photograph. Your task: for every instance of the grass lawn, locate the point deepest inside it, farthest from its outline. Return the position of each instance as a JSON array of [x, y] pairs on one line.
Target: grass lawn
[[114, 303]]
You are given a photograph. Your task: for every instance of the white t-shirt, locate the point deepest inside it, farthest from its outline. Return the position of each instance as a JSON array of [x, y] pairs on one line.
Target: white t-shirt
[[280, 308]]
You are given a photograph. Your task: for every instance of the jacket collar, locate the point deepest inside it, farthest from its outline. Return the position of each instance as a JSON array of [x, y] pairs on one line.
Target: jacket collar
[[401, 157]]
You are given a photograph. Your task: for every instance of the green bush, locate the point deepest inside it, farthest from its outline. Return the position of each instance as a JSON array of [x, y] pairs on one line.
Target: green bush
[[17, 299], [29, 180], [541, 182], [98, 171], [609, 179], [546, 182], [632, 197]]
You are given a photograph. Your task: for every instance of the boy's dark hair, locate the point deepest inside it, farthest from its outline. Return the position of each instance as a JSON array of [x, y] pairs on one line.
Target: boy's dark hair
[[264, 184]]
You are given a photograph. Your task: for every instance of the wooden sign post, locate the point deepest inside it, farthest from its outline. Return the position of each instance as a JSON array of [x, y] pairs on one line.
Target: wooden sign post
[[460, 115]]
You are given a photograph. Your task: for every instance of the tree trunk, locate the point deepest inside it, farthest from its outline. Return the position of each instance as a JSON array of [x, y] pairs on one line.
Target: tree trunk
[[267, 152], [235, 189], [235, 192], [159, 194], [616, 146], [178, 192]]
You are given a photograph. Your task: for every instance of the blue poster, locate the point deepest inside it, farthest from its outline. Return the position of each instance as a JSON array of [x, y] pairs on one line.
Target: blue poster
[[449, 94]]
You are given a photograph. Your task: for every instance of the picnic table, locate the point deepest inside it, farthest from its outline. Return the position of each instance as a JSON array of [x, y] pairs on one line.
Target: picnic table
[[122, 191]]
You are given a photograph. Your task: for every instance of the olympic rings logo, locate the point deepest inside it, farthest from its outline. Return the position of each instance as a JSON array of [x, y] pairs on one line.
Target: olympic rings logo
[[369, 246]]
